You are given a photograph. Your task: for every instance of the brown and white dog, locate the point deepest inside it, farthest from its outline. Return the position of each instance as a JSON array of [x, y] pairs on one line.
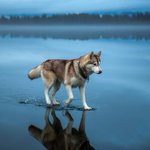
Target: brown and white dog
[[72, 73]]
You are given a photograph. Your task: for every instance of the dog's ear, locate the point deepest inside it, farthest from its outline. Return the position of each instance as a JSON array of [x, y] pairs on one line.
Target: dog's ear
[[91, 54], [99, 53]]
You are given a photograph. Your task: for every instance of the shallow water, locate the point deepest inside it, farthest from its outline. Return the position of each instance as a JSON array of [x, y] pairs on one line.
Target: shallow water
[[120, 96]]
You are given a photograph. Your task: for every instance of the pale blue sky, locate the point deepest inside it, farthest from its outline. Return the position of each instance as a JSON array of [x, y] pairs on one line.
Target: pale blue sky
[[71, 6]]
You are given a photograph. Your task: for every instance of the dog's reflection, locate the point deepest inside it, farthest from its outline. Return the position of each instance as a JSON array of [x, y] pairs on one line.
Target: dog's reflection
[[54, 137]]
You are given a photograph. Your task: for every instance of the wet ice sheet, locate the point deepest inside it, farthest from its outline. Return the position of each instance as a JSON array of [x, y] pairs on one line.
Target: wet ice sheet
[[61, 107], [120, 95]]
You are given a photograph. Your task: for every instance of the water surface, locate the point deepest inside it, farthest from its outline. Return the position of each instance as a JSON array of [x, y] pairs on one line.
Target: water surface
[[120, 96]]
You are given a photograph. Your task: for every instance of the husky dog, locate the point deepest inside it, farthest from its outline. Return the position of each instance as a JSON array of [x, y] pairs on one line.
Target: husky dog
[[54, 137], [72, 73]]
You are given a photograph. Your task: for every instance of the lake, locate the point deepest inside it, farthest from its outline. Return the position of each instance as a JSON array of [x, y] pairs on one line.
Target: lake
[[120, 96]]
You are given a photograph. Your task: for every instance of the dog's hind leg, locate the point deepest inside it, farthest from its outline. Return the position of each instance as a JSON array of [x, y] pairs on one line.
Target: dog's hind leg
[[46, 91], [55, 89], [49, 79]]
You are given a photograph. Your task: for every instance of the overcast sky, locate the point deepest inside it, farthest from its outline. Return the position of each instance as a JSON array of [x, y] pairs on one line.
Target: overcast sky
[[71, 6]]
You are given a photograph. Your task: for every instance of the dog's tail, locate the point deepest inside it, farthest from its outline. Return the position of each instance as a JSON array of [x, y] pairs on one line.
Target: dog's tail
[[35, 72]]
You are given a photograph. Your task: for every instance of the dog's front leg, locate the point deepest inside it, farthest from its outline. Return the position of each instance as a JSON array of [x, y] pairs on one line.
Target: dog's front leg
[[82, 93], [70, 94]]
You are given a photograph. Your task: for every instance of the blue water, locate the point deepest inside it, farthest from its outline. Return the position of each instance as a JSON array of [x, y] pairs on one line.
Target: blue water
[[120, 96]]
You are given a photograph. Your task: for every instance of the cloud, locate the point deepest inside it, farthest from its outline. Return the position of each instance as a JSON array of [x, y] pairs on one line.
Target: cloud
[[70, 6]]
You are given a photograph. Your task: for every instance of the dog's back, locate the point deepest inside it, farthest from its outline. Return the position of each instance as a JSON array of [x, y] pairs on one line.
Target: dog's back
[[57, 66]]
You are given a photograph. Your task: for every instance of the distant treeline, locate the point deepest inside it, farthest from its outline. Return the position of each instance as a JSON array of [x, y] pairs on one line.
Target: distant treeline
[[135, 18]]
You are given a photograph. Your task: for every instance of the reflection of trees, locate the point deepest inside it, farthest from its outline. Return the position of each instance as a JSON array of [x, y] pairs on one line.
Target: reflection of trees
[[54, 137], [135, 18]]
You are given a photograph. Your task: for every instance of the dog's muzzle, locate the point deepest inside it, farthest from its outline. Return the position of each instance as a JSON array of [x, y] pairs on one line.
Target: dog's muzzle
[[100, 71], [97, 70]]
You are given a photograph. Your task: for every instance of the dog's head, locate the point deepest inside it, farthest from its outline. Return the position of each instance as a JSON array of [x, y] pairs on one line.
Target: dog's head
[[92, 62]]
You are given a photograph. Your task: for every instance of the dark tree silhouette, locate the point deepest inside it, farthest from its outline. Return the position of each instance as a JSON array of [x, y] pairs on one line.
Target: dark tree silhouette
[[71, 19]]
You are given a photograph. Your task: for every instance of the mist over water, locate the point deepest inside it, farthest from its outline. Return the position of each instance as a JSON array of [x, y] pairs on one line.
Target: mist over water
[[120, 96]]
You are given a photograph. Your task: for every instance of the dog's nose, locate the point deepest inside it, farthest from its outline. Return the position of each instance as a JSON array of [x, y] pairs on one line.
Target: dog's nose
[[100, 72]]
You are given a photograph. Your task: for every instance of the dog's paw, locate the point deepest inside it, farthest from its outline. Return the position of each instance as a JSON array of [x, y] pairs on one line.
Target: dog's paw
[[56, 103], [67, 102], [48, 102], [87, 108], [48, 105]]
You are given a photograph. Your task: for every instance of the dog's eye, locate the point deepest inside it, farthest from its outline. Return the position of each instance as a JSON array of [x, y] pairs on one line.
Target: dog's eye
[[94, 64]]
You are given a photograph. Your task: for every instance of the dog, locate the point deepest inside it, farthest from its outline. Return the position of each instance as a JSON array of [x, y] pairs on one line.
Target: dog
[[72, 73], [54, 137]]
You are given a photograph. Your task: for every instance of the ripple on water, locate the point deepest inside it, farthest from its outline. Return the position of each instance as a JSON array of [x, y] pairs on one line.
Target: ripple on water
[[40, 103]]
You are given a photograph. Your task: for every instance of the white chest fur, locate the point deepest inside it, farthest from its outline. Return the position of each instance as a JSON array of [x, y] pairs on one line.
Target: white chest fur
[[76, 82]]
